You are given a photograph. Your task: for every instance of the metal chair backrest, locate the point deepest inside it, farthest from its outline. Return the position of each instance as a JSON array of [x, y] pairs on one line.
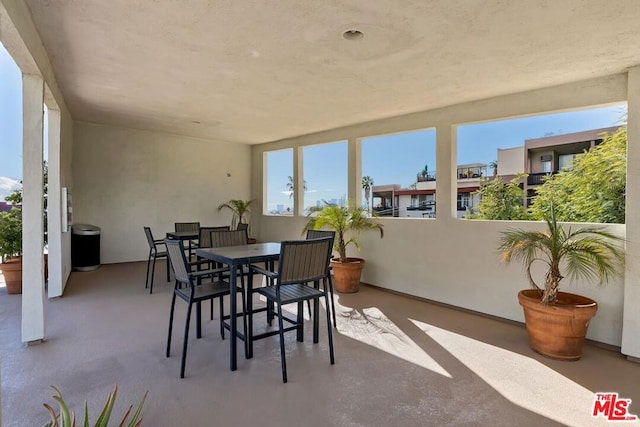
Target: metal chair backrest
[[319, 234], [181, 268], [187, 226], [147, 232], [205, 235], [303, 261], [242, 226], [228, 238]]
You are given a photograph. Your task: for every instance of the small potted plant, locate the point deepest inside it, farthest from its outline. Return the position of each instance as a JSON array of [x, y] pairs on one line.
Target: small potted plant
[[11, 249], [557, 321], [240, 210], [347, 222]]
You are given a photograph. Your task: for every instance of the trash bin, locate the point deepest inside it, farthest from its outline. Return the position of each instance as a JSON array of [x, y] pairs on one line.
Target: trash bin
[[85, 247]]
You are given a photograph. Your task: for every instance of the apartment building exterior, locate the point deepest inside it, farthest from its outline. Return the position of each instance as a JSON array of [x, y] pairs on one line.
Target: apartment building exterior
[[537, 158]]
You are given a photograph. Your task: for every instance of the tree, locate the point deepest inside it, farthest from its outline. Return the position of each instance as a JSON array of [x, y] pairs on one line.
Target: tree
[[494, 166], [291, 187], [501, 201], [367, 184], [593, 189]]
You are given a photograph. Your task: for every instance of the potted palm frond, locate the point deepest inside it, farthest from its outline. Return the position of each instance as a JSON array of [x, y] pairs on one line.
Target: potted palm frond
[[347, 222], [557, 321], [240, 210]]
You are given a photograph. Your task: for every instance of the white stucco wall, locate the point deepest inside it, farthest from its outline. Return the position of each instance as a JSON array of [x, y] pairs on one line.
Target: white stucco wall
[[449, 260], [126, 179]]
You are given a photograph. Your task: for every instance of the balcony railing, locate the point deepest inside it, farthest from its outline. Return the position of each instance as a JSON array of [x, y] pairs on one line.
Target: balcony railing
[[422, 177], [385, 211], [538, 178]]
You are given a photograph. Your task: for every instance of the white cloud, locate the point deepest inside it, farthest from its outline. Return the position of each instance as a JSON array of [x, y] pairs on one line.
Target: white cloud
[[7, 185]]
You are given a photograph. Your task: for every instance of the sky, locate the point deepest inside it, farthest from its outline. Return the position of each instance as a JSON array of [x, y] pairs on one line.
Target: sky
[[10, 124], [388, 159]]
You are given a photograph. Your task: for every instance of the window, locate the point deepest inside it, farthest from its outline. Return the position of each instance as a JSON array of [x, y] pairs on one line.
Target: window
[[463, 201], [279, 182], [325, 175], [565, 161], [402, 169], [545, 148]]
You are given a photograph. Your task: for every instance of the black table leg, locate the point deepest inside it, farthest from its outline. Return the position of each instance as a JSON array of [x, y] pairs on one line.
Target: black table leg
[[249, 337], [233, 362]]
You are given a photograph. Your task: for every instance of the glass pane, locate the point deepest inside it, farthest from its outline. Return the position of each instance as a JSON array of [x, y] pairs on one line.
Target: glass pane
[[325, 174], [279, 182], [401, 171], [527, 160]]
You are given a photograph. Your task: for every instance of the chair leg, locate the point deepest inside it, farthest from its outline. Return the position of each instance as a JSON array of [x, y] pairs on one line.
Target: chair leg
[[269, 312], [329, 330], [333, 304], [173, 304], [221, 316], [153, 273], [198, 320], [299, 319], [186, 340], [282, 354], [146, 281], [316, 320], [211, 310]]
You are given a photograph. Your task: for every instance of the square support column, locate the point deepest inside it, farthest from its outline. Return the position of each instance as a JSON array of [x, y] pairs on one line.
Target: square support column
[[298, 179], [354, 163], [32, 209], [54, 207], [631, 316], [446, 161]]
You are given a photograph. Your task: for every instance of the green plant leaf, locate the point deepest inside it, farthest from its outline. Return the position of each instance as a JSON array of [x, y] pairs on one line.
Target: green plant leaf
[[103, 419]]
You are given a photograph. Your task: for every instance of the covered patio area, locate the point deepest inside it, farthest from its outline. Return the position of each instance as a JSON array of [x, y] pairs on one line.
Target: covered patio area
[[159, 112], [399, 361]]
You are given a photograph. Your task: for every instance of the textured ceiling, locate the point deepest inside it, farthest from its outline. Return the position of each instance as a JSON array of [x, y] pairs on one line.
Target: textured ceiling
[[254, 71]]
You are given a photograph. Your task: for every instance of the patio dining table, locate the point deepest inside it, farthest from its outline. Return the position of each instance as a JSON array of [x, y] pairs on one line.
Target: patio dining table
[[234, 257]]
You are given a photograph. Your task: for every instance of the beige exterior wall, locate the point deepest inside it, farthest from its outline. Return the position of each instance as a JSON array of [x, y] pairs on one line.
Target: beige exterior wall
[[448, 260], [510, 161], [126, 179]]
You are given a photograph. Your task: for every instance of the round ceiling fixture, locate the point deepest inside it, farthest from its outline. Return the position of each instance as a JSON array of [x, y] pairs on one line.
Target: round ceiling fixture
[[353, 34]]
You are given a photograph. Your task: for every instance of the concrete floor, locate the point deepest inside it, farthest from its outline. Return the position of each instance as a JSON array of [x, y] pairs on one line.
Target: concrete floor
[[399, 361]]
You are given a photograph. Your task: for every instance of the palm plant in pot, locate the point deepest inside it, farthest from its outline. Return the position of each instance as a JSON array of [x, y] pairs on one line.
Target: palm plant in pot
[[557, 321], [240, 210], [11, 249], [347, 222]]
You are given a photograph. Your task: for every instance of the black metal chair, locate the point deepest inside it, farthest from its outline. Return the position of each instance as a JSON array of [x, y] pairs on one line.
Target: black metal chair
[[189, 226], [189, 287], [222, 238], [301, 262], [318, 234], [243, 226], [154, 254], [205, 242]]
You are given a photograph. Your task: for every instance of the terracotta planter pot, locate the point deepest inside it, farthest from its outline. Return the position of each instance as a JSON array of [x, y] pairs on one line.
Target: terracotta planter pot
[[347, 274], [12, 272], [557, 330]]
